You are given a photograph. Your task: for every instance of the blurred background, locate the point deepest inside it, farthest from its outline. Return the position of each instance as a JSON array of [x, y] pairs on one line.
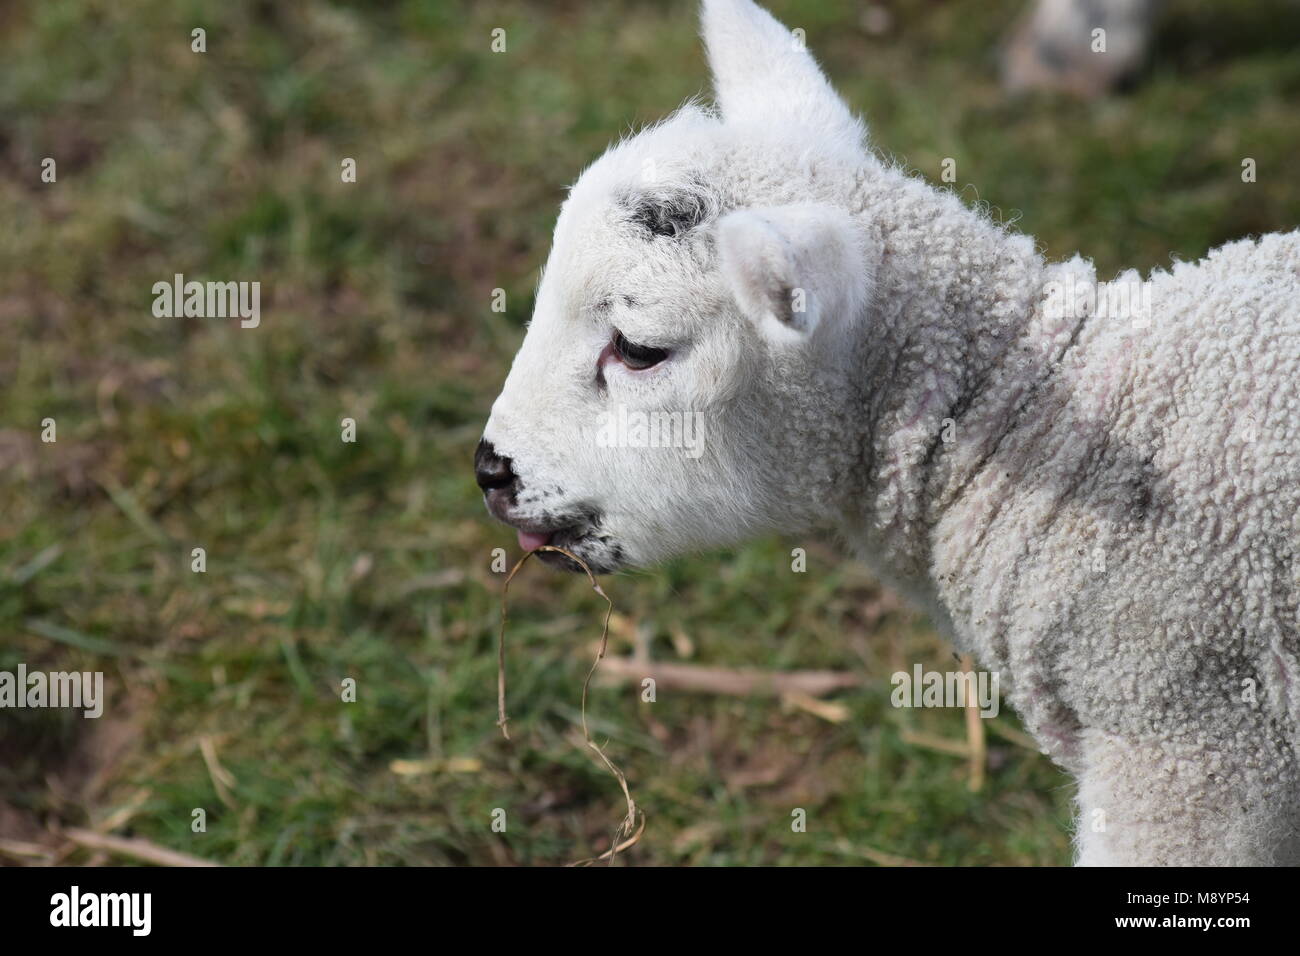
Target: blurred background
[[374, 560]]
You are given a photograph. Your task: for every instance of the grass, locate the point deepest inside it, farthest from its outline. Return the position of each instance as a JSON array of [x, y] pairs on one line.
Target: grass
[[373, 560]]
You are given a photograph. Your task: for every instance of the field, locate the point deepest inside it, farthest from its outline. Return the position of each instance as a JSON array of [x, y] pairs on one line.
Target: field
[[372, 560]]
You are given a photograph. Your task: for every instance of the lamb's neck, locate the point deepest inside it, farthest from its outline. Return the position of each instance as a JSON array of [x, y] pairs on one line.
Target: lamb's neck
[[956, 322]]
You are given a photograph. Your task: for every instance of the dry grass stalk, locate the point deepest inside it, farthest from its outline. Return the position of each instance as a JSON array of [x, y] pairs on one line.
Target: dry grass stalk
[[919, 738], [975, 739], [134, 848], [628, 832], [739, 682]]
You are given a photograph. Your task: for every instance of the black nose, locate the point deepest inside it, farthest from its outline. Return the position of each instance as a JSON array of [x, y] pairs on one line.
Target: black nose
[[491, 471]]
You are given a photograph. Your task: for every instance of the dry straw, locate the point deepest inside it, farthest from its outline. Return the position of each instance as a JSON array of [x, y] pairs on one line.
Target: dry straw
[[629, 830]]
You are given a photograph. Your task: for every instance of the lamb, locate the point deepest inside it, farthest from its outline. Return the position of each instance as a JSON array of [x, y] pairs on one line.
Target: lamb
[[1093, 487]]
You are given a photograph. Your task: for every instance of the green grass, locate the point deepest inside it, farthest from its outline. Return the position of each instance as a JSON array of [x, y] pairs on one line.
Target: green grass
[[372, 560]]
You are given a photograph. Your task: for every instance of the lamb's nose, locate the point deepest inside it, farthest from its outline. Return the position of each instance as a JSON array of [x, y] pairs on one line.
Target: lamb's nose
[[491, 471]]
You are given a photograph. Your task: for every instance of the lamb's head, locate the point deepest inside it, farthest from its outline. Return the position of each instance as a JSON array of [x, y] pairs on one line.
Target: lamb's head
[[682, 380]]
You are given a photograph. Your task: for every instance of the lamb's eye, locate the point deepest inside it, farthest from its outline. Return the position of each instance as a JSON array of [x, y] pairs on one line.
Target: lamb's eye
[[637, 356]]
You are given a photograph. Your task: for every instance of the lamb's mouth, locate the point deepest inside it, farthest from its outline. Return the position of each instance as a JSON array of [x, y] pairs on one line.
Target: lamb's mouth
[[583, 538]]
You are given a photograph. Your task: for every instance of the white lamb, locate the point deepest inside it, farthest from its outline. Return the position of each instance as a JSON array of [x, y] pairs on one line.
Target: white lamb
[[1092, 487]]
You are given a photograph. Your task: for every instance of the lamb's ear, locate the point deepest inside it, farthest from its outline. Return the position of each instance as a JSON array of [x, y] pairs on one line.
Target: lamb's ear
[[792, 268], [763, 74]]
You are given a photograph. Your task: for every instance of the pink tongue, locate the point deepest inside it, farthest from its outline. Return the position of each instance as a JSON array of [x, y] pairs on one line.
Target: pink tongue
[[531, 542]]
